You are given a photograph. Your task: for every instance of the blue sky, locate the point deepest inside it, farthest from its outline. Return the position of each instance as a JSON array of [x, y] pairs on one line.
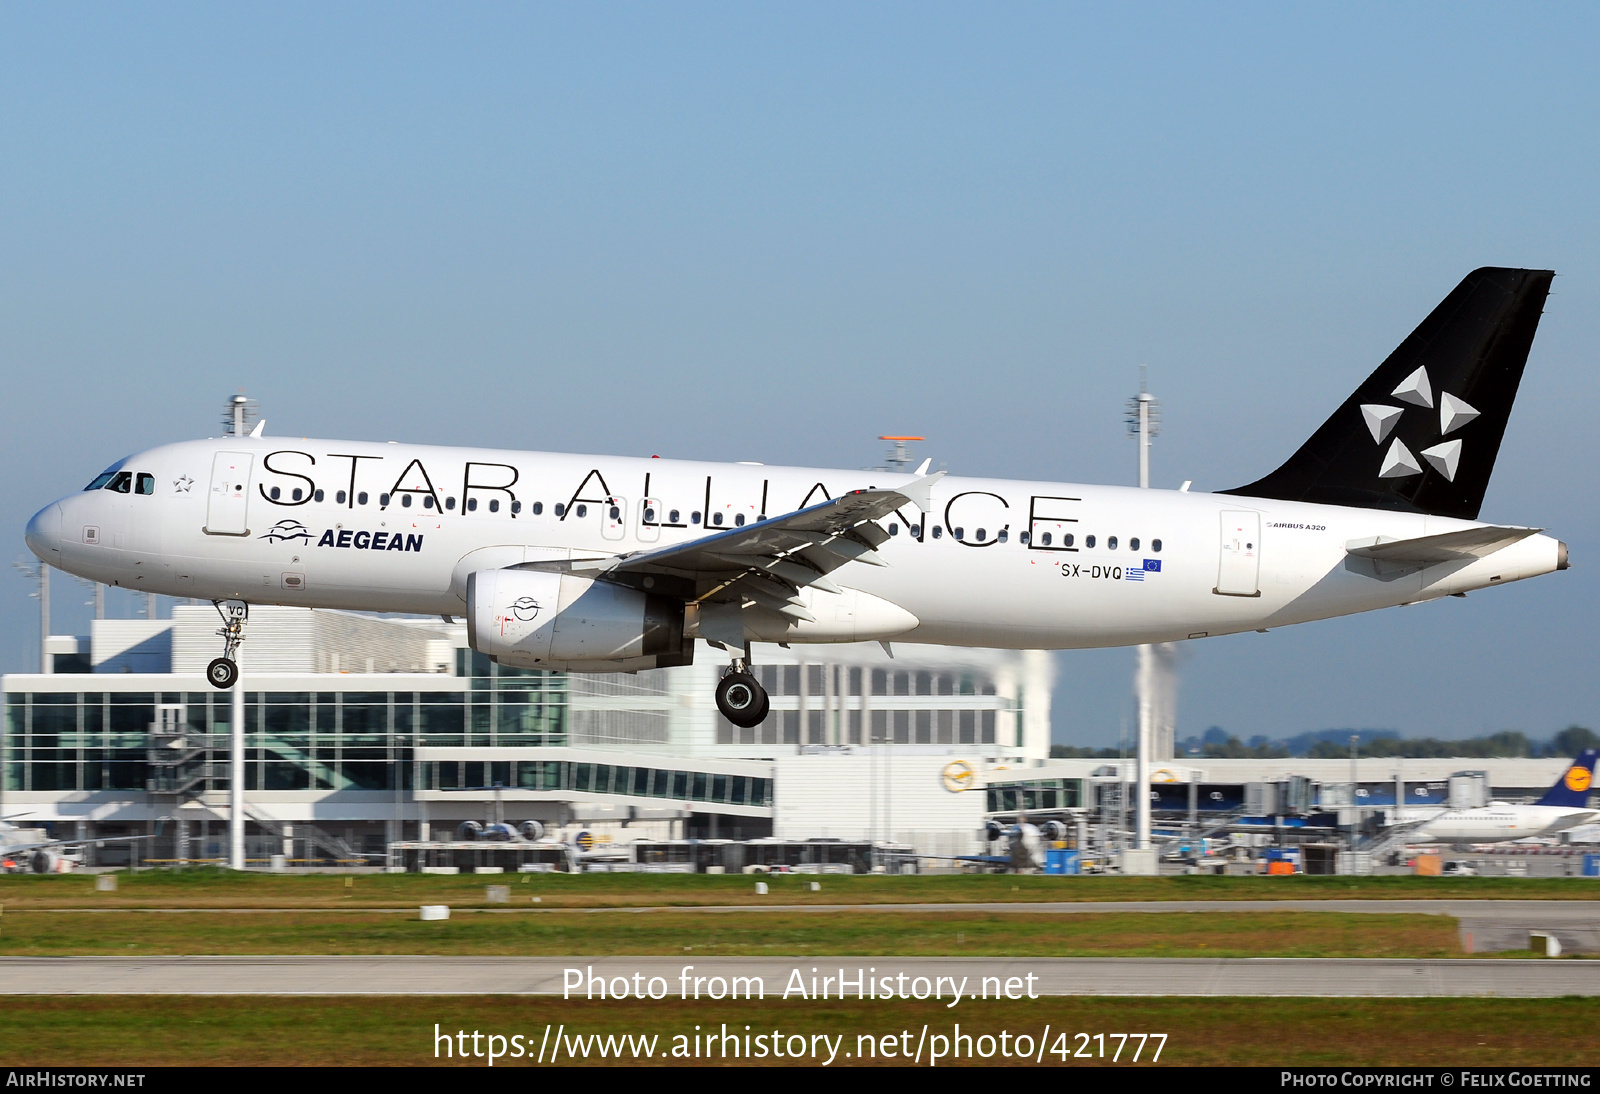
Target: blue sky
[[773, 232]]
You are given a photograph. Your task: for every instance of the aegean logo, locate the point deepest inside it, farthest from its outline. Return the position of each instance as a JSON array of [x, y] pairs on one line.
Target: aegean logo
[[525, 608], [286, 530]]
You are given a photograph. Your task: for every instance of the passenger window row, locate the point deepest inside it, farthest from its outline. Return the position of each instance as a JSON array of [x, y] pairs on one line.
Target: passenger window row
[[1046, 539]]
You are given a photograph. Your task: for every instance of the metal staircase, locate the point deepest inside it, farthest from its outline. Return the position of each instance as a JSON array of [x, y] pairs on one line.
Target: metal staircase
[[181, 770]]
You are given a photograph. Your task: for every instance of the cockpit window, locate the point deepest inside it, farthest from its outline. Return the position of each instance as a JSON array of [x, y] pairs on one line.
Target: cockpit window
[[100, 480], [122, 483], [146, 484]]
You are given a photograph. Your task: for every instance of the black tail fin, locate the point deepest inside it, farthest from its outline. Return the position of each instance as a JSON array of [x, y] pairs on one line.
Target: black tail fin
[[1421, 434]]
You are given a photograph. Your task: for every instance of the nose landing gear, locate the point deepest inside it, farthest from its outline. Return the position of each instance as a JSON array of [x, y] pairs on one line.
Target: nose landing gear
[[740, 696], [223, 672]]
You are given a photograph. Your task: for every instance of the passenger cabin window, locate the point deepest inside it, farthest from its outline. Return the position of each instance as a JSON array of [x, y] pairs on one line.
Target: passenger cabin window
[[1022, 538], [1002, 535], [383, 499], [560, 509], [1066, 540], [1133, 544], [318, 496], [960, 533], [738, 518], [427, 501], [297, 493], [1155, 545], [716, 518], [1111, 543], [694, 518], [450, 503], [516, 507], [982, 535], [538, 507], [583, 510], [672, 517], [649, 513], [938, 531], [894, 529], [361, 498], [339, 497], [472, 505], [405, 501], [147, 483], [1088, 541], [615, 513], [1044, 539], [123, 483], [494, 505]]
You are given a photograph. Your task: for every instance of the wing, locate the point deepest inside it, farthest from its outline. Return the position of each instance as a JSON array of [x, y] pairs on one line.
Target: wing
[[763, 566], [45, 845]]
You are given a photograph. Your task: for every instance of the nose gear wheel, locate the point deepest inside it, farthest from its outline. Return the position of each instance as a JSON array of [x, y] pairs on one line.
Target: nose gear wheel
[[223, 672]]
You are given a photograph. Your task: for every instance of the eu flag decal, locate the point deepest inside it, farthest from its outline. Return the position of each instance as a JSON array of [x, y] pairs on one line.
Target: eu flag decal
[[1152, 565]]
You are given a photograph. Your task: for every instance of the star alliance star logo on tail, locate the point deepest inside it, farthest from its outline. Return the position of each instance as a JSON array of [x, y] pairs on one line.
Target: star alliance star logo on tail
[[1398, 462]]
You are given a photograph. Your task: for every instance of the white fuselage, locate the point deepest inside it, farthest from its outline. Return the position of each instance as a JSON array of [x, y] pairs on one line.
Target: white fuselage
[[397, 528], [1499, 822]]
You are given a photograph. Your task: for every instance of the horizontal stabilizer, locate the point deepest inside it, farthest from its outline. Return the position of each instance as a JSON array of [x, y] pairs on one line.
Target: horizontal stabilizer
[[1447, 547]]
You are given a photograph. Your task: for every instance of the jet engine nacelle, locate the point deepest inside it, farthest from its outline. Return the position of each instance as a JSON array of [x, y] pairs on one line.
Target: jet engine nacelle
[[43, 862], [532, 831], [536, 619]]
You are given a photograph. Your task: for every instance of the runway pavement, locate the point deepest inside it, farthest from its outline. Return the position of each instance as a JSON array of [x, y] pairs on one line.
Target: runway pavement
[[546, 975]]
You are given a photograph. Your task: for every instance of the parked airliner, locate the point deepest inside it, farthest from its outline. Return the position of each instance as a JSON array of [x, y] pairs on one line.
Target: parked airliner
[[603, 564], [1565, 805], [34, 849]]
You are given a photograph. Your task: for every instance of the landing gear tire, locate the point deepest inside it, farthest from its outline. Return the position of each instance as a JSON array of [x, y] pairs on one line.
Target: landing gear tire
[[742, 699], [222, 673]]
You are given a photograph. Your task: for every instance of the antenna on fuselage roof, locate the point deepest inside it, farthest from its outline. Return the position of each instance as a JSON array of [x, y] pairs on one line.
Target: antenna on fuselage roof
[[239, 415]]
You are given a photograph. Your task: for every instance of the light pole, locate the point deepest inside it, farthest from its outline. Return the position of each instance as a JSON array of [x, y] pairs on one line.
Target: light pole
[[1143, 422]]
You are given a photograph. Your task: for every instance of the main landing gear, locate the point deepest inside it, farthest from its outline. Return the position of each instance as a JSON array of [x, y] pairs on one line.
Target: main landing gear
[[740, 696], [223, 672]]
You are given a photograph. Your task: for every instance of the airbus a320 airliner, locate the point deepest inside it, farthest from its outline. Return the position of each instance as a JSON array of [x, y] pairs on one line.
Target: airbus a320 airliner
[[605, 564]]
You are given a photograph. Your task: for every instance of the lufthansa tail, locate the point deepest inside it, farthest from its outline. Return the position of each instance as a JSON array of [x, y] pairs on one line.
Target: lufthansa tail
[[1421, 434], [1572, 789]]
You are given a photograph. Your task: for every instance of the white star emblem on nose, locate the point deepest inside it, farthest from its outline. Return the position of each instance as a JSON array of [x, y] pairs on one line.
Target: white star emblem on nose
[[182, 483]]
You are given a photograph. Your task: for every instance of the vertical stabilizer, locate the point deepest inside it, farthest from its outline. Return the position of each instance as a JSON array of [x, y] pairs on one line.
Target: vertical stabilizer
[[1572, 789], [1421, 434]]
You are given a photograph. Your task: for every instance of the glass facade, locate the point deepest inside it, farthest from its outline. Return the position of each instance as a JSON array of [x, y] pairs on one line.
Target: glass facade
[[838, 704], [596, 778], [1036, 794], [317, 740]]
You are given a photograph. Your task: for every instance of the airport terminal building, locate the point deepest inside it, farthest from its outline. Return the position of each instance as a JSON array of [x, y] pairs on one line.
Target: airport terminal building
[[363, 731]]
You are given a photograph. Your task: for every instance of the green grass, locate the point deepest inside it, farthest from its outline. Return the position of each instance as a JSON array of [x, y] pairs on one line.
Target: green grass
[[133, 1032], [801, 934], [218, 889]]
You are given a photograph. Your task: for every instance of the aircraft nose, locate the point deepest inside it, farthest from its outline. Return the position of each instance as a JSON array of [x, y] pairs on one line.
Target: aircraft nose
[[44, 533]]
